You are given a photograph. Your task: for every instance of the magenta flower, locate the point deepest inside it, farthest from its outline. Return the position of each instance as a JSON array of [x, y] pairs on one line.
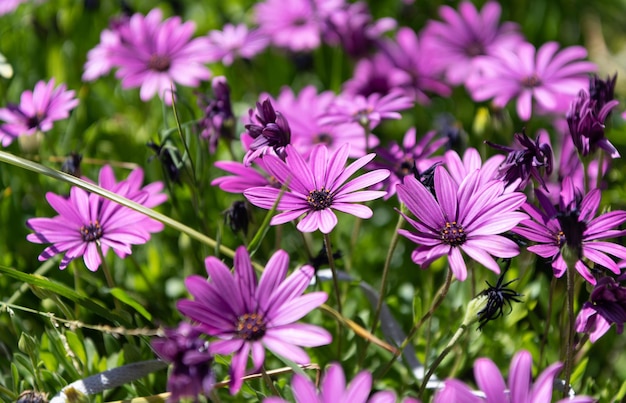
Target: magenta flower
[[467, 34], [248, 316], [520, 386], [243, 178], [154, 55], [546, 76], [37, 111], [333, 389], [377, 74], [606, 305], [459, 168], [235, 41], [100, 58], [367, 112], [317, 187], [219, 120], [87, 221], [573, 226], [469, 217], [269, 130]]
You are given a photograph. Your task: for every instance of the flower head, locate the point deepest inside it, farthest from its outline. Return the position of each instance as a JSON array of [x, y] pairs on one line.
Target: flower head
[[520, 386], [235, 41], [270, 132], [497, 296], [317, 187], [573, 229], [249, 316], [469, 217], [545, 75], [153, 54], [219, 120], [191, 373], [37, 111], [87, 221], [606, 305]]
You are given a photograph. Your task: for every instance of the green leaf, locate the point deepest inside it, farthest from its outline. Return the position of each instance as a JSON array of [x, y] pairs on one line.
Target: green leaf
[[128, 300], [76, 345]]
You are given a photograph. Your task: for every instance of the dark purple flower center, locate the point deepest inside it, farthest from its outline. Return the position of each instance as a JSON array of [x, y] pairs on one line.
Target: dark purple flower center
[[475, 49], [560, 238], [319, 199], [159, 63], [251, 326], [406, 166], [453, 234], [323, 138], [34, 121], [91, 232], [531, 81]]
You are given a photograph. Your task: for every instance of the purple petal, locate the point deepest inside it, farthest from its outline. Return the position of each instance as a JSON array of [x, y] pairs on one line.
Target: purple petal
[[490, 380], [520, 376], [302, 334]]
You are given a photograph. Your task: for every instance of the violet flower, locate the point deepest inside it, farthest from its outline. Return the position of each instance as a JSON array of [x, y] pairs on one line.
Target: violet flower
[[377, 74], [100, 59], [525, 161], [87, 221], [218, 120], [606, 305], [154, 54], [37, 111], [573, 226], [333, 389], [191, 374], [317, 187], [520, 389], [250, 316], [459, 168], [235, 41], [243, 178], [469, 217], [545, 75], [270, 131], [466, 35]]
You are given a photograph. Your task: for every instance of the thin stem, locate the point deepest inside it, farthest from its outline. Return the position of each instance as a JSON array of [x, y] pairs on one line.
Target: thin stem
[[546, 329], [107, 275], [269, 382], [441, 294], [569, 359], [600, 173], [331, 263]]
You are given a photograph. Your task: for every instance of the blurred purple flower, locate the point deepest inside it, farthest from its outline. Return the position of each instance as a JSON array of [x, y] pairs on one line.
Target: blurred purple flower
[[333, 389], [100, 58], [409, 54], [376, 74], [545, 75], [606, 305], [37, 111], [367, 112], [235, 41], [191, 373], [573, 226], [587, 114], [250, 316], [243, 178], [87, 221], [520, 389], [525, 160], [465, 35], [410, 158], [316, 187], [154, 55], [468, 217], [269, 130], [218, 121], [353, 28]]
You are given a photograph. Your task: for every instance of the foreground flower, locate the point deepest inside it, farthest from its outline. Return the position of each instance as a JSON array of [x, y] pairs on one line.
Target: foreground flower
[[37, 111], [154, 54], [573, 227], [606, 305], [191, 373], [545, 75], [333, 389], [468, 217], [316, 187], [87, 222], [520, 386], [250, 316]]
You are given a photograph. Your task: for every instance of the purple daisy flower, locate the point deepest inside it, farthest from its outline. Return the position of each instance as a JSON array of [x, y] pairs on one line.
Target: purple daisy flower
[[367, 112], [459, 168], [235, 41], [520, 389], [606, 305], [248, 316], [574, 226], [219, 120], [333, 389], [377, 74], [545, 75], [100, 58], [317, 187], [87, 221], [191, 373], [37, 111], [154, 54], [466, 35], [269, 130], [243, 178], [411, 158], [467, 217]]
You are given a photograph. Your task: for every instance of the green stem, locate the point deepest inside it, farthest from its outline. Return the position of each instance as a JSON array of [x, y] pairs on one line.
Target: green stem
[[569, 358], [268, 381], [546, 329], [331, 263], [107, 275], [442, 355]]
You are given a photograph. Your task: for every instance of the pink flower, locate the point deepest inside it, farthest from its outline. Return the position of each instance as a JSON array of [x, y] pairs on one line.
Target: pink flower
[[37, 111], [235, 41], [316, 187]]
